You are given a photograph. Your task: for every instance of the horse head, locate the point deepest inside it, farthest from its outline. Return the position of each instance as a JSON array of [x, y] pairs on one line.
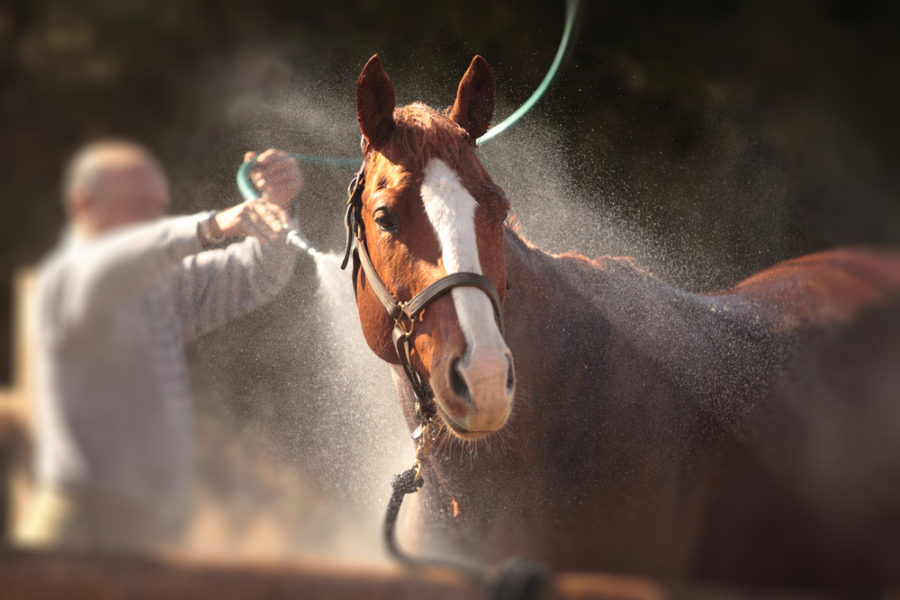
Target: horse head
[[428, 210]]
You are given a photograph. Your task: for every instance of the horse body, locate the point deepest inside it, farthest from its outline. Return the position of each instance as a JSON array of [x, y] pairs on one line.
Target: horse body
[[579, 474], [675, 435], [748, 435]]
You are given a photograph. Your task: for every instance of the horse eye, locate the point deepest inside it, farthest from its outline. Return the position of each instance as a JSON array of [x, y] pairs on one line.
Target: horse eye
[[386, 220]]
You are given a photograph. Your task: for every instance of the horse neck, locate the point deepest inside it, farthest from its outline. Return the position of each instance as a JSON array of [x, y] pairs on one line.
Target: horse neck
[[619, 321], [589, 303]]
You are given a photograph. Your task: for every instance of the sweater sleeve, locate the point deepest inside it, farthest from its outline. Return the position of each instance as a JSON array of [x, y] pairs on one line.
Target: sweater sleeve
[[216, 286], [86, 283]]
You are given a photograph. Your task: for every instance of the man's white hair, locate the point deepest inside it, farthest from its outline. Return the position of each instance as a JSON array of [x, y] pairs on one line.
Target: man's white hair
[[84, 169]]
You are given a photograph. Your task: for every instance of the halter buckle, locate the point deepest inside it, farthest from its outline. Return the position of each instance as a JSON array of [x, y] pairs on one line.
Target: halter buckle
[[398, 320]]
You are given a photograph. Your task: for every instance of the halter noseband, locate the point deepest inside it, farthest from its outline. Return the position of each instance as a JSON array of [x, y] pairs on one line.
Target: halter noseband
[[403, 312]]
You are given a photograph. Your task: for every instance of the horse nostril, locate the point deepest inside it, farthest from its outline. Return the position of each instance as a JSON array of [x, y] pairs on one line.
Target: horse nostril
[[458, 384], [510, 374]]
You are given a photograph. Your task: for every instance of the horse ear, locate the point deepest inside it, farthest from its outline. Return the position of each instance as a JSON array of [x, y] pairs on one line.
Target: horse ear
[[375, 102], [474, 104]]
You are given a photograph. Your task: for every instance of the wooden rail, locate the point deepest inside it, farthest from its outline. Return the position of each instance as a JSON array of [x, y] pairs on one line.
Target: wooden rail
[[32, 575]]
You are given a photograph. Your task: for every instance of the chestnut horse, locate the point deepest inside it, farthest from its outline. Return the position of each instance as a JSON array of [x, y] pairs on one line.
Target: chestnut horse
[[607, 421]]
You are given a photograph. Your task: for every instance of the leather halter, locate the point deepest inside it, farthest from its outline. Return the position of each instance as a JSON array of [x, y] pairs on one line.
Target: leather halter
[[403, 312]]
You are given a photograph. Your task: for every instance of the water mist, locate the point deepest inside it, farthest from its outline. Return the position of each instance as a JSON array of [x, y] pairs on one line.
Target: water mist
[[319, 475]]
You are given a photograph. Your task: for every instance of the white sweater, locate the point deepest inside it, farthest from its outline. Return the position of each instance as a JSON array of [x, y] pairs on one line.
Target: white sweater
[[114, 412]]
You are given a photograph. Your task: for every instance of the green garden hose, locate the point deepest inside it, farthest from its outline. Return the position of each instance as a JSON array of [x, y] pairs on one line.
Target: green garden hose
[[249, 191]]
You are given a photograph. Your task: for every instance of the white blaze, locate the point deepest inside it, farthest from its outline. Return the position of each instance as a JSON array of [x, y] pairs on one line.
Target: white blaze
[[451, 210]]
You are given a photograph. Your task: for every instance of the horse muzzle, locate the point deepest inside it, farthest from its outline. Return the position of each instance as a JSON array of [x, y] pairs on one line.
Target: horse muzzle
[[475, 393]]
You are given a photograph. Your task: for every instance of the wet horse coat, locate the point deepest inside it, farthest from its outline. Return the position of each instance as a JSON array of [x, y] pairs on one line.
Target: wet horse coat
[[748, 435]]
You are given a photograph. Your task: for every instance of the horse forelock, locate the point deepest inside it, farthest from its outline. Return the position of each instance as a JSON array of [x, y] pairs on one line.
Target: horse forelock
[[423, 133]]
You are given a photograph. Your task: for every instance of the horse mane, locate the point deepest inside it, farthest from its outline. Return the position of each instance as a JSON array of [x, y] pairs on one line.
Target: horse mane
[[601, 265]]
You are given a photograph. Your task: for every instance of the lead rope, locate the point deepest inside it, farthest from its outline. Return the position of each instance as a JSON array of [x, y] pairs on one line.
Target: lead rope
[[514, 579]]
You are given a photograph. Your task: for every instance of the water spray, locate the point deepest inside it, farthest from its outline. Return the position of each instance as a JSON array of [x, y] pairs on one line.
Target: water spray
[[296, 239]]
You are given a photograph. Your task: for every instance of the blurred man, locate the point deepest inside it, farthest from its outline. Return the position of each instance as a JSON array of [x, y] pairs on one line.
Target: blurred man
[[116, 303]]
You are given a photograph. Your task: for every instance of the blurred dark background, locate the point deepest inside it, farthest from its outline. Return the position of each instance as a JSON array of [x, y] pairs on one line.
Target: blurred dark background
[[675, 110], [716, 137]]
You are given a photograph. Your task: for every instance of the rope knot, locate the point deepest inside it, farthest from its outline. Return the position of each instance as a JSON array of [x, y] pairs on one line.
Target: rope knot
[[407, 482]]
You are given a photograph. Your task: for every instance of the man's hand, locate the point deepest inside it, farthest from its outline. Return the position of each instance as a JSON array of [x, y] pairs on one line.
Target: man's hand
[[279, 179], [277, 176], [261, 219]]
